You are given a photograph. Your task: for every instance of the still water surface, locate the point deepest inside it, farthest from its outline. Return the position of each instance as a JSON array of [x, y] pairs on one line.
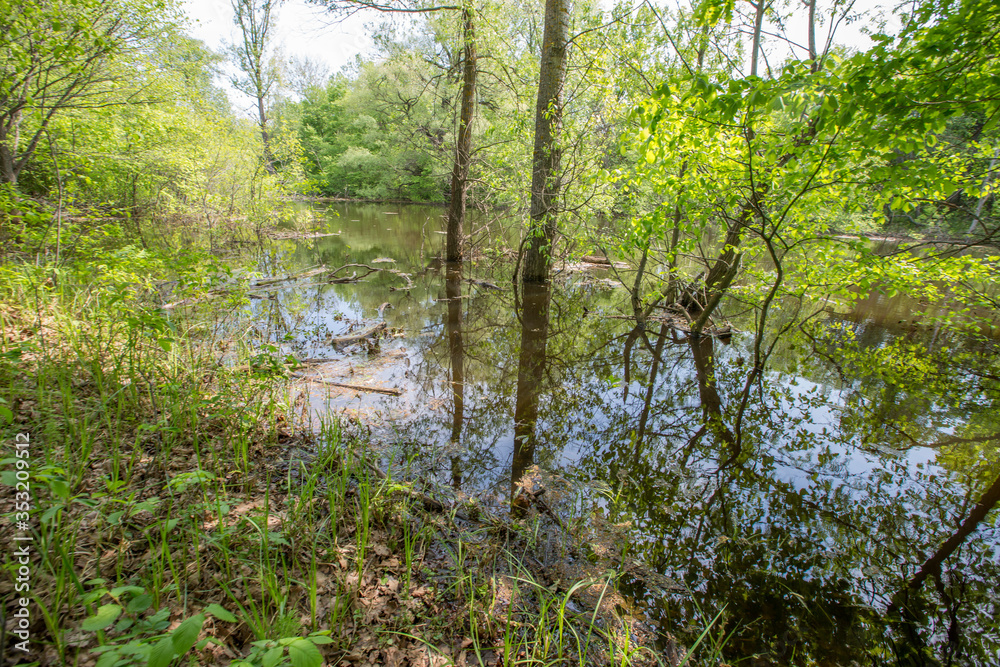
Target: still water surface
[[810, 507]]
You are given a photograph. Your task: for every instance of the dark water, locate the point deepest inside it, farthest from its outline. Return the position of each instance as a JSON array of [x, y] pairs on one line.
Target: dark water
[[837, 510]]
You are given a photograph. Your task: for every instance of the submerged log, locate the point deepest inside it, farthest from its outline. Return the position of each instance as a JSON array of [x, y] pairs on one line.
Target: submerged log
[[361, 335], [346, 385]]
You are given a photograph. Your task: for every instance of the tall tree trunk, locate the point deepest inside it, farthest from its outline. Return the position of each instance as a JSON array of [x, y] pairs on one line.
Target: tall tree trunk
[[545, 181], [813, 54], [8, 174], [463, 147], [758, 23]]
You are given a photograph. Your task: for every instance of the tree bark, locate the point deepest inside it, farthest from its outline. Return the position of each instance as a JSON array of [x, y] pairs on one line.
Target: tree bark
[[545, 181], [463, 147], [265, 137], [758, 22]]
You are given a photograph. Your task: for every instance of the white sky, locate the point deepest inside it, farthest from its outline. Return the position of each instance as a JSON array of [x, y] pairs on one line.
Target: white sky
[[302, 30], [308, 31]]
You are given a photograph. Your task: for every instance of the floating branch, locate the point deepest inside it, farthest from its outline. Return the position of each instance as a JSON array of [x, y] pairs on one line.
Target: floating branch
[[356, 387], [361, 335]]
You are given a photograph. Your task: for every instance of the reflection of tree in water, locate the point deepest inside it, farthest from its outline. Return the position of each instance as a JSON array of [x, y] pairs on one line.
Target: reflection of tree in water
[[453, 290], [801, 550], [530, 374], [807, 518]]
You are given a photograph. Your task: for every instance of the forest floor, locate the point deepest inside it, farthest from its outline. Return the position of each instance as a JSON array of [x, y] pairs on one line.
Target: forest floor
[[169, 519]]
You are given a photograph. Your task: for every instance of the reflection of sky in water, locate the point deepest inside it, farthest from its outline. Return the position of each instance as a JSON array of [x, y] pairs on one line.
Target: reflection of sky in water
[[311, 314], [586, 426]]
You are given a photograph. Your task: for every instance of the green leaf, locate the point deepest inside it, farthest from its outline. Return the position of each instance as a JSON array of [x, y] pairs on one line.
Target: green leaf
[[186, 634], [105, 616], [162, 654], [219, 612], [320, 639], [304, 654], [60, 488], [273, 657], [50, 514], [118, 590], [107, 660], [139, 604]]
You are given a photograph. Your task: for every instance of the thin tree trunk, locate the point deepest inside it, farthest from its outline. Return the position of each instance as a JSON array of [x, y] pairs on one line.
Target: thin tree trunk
[[265, 138], [463, 148], [7, 172], [757, 25], [987, 192], [545, 181], [813, 55]]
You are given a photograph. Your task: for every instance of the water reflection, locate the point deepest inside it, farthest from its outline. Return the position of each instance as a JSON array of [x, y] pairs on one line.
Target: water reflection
[[453, 291], [838, 508], [530, 373]]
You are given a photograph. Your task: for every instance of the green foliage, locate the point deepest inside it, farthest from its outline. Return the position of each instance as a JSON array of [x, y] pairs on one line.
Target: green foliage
[[359, 144], [296, 651], [137, 636]]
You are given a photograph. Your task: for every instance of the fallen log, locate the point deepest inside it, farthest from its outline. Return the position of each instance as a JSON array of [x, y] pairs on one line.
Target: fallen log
[[595, 259], [356, 387], [361, 335]]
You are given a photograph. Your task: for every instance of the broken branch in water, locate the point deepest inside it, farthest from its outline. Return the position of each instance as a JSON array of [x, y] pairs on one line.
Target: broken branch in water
[[361, 335], [334, 278], [356, 387], [267, 282]]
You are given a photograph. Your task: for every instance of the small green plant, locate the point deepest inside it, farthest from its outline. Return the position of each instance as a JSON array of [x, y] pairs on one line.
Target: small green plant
[[297, 651], [138, 636]]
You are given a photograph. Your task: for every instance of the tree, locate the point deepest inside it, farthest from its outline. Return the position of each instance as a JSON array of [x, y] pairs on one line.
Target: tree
[[545, 160], [60, 56], [463, 142], [258, 75]]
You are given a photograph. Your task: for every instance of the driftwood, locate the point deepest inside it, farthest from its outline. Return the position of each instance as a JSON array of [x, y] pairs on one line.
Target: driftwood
[[595, 259], [356, 387], [369, 269], [544, 507], [361, 335]]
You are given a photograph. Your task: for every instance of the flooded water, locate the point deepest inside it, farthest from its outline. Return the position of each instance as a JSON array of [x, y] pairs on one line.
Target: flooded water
[[837, 511]]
